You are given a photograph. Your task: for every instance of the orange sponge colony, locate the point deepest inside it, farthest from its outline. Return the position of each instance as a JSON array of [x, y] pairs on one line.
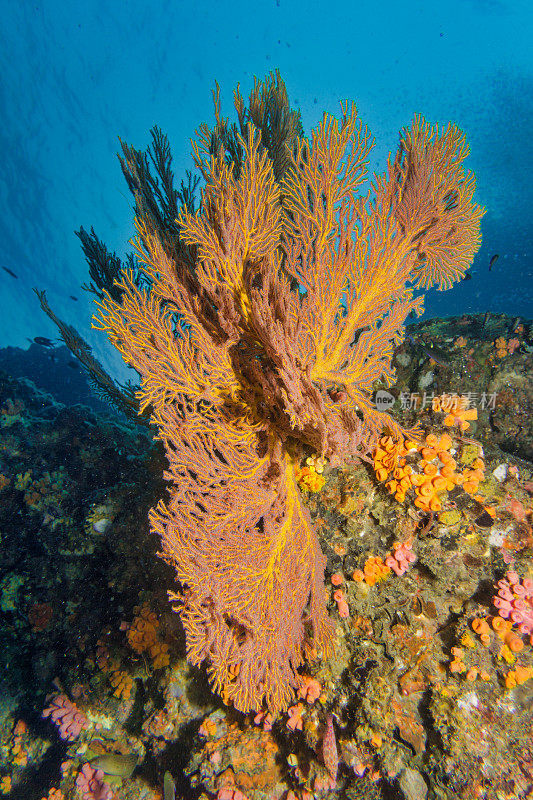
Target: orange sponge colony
[[456, 408], [122, 683], [144, 635], [428, 467], [518, 676], [389, 462], [143, 632], [309, 477], [374, 570], [472, 477]]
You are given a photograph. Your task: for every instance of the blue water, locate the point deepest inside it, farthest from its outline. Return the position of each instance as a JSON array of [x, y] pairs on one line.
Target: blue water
[[73, 79]]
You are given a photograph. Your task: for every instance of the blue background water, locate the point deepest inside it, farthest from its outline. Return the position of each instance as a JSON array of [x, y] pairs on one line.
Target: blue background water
[[75, 78]]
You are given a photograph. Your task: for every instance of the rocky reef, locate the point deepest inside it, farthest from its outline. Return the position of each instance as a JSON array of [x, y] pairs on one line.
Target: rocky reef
[[430, 580]]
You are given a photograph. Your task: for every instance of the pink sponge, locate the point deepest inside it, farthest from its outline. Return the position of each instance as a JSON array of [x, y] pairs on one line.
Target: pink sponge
[[402, 555], [231, 794], [65, 714], [91, 784], [514, 601]]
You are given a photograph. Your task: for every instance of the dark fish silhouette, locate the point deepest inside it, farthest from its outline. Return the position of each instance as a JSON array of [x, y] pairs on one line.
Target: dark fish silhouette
[[43, 341], [431, 350], [485, 319], [467, 277], [514, 324], [493, 260], [73, 298], [10, 272]]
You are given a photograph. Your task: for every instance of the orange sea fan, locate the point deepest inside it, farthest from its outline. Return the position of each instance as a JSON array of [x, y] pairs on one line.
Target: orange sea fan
[[434, 202], [261, 335]]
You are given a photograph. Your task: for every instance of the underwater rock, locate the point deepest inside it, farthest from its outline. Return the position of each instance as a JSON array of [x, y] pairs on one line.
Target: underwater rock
[[413, 785], [500, 473]]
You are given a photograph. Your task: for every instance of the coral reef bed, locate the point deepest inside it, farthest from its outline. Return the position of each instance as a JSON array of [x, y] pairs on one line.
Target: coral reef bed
[[429, 575]]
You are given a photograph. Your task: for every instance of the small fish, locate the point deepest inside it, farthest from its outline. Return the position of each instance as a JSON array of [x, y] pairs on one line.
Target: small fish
[[169, 787], [485, 319], [72, 297], [116, 764], [43, 341], [10, 272], [438, 355], [493, 260], [467, 277]]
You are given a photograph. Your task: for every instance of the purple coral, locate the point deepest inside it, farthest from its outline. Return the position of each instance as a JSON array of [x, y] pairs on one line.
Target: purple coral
[[91, 784], [65, 714], [514, 601]]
